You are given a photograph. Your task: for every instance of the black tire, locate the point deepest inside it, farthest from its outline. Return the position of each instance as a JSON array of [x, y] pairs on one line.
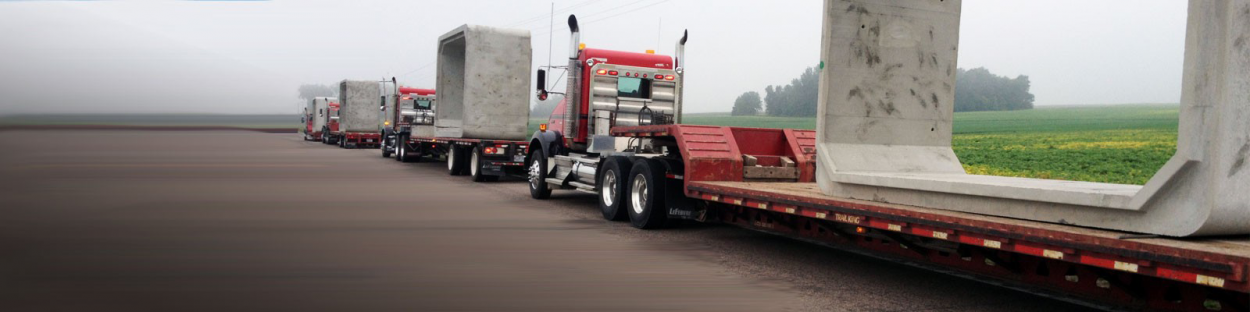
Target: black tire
[[401, 152], [537, 169], [342, 142], [455, 160], [475, 165], [647, 209], [386, 153], [611, 186]]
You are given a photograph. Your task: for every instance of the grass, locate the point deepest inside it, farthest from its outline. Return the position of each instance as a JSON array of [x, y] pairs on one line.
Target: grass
[[1111, 143]]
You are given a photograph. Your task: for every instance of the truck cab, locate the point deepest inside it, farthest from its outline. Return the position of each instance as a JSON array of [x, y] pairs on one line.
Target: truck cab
[[605, 89], [331, 123], [414, 107]]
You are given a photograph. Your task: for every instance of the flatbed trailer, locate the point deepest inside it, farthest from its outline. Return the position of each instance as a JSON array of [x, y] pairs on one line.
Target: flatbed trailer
[[481, 159], [710, 172], [359, 139]]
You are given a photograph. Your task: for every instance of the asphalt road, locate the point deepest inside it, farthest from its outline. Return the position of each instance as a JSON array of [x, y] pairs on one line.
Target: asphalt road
[[242, 221]]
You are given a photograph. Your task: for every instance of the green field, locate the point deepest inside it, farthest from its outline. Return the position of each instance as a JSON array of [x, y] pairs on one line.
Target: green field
[[1111, 143]]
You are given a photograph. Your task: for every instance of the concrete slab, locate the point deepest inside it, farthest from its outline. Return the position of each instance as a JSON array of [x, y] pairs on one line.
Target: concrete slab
[[360, 102], [886, 102], [483, 83]]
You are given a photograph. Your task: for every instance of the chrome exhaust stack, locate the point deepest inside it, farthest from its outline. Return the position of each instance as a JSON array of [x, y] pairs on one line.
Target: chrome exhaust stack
[[679, 58], [572, 94]]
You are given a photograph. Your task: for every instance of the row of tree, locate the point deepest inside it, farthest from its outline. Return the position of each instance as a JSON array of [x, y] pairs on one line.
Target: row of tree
[[975, 90]]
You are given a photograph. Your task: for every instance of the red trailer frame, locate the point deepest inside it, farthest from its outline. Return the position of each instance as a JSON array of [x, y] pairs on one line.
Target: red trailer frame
[[361, 139], [498, 158], [1099, 267]]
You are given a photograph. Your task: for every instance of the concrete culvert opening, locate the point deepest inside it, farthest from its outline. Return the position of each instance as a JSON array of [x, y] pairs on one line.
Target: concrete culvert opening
[[886, 156]]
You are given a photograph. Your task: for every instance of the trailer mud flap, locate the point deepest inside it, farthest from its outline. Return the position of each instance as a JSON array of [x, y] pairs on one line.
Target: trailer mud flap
[[680, 206]]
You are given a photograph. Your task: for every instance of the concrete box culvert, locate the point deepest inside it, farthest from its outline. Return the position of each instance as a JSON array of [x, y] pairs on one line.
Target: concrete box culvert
[[901, 153], [360, 102], [483, 83]]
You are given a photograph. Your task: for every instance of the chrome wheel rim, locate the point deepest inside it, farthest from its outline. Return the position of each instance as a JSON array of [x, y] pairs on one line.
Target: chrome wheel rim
[[473, 164], [638, 194], [535, 173], [451, 158], [608, 188]]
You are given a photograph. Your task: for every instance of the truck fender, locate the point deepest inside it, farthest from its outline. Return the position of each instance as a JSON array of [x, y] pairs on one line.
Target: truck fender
[[550, 141]]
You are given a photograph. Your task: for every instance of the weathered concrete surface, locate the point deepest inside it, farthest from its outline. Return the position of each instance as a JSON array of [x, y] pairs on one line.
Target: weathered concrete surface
[[483, 83], [359, 102], [423, 131], [885, 126]]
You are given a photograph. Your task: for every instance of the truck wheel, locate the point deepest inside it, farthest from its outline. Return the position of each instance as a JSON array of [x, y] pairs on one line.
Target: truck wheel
[[401, 153], [538, 175], [475, 168], [386, 153], [342, 142], [612, 188], [646, 195], [455, 161]]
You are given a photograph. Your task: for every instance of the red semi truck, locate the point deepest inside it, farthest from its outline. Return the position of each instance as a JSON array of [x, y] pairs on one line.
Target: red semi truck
[[411, 107], [618, 135], [331, 122]]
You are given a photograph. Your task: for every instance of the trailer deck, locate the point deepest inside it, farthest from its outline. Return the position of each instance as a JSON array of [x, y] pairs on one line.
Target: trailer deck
[[1115, 262]]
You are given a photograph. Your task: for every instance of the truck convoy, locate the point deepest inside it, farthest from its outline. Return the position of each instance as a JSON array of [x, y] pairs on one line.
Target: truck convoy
[[359, 120], [618, 135]]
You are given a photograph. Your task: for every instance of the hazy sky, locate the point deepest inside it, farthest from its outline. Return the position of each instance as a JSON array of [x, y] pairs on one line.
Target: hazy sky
[[249, 57]]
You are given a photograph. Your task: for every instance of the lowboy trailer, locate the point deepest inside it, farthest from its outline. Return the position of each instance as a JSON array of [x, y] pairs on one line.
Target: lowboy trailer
[[618, 135]]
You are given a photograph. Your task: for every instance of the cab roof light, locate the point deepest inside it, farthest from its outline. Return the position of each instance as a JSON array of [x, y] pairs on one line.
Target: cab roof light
[[650, 51]]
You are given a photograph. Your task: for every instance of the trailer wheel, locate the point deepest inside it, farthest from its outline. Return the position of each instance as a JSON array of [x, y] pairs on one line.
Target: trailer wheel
[[455, 160], [401, 152], [612, 188], [538, 175], [475, 167], [646, 195]]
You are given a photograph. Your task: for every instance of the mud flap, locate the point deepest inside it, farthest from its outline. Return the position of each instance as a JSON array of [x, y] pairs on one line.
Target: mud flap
[[680, 206]]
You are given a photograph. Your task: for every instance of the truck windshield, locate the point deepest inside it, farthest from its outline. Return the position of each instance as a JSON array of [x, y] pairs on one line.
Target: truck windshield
[[633, 88], [423, 104]]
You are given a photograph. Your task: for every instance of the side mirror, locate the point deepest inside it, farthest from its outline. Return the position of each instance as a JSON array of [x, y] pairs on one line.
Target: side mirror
[[542, 81]]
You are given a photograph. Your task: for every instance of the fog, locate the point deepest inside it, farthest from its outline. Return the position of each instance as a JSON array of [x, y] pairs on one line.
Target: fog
[[248, 57]]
